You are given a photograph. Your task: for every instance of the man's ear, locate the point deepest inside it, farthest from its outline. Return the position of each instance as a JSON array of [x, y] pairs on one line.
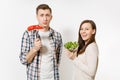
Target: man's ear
[[36, 16], [51, 17]]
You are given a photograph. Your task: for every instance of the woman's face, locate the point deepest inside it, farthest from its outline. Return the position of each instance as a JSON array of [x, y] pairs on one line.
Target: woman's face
[[86, 31]]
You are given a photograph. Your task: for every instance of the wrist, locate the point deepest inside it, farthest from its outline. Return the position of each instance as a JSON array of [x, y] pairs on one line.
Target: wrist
[[73, 56], [34, 50]]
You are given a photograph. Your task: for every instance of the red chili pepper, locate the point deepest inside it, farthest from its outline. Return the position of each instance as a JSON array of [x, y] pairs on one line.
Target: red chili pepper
[[33, 27]]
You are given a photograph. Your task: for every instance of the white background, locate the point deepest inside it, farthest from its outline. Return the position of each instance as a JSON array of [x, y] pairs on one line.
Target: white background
[[16, 15]]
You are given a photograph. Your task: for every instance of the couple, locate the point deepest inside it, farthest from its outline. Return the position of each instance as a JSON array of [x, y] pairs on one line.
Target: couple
[[41, 49]]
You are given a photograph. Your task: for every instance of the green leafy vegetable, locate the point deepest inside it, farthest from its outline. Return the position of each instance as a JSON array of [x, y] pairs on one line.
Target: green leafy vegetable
[[71, 45]]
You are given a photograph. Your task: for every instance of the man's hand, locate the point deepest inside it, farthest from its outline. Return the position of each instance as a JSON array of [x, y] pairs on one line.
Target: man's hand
[[37, 44]]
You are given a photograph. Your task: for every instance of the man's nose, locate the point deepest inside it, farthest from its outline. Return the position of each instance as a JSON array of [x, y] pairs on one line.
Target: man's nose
[[45, 18]]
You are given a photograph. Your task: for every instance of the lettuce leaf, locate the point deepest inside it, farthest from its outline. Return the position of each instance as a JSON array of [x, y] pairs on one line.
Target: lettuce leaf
[[71, 45]]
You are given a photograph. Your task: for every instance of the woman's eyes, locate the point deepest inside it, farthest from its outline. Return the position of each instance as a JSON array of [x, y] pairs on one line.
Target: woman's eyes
[[84, 29]]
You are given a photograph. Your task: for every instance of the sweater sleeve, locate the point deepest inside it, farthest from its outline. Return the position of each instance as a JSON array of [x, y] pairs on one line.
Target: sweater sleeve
[[90, 66]]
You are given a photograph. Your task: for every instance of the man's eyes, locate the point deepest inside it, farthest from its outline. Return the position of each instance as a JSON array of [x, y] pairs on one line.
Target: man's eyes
[[44, 15]]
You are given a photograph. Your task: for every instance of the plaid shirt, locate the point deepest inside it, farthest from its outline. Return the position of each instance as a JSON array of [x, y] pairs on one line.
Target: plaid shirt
[[33, 67]]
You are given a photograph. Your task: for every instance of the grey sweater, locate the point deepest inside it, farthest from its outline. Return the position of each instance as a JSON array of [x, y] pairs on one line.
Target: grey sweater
[[85, 65]]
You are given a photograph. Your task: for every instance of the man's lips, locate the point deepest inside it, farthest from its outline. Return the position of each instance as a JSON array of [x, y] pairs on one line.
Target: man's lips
[[45, 23]]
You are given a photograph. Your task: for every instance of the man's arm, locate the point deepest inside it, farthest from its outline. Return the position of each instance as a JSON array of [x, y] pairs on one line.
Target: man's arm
[[32, 53], [27, 54], [60, 48], [25, 47]]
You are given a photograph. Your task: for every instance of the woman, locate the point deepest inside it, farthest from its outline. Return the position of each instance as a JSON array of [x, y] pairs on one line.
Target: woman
[[85, 59]]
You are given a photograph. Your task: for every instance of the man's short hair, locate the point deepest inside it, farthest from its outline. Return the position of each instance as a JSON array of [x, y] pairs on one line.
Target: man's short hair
[[43, 6]]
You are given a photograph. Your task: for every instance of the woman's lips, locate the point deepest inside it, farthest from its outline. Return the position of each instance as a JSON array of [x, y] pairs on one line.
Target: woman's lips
[[84, 36]]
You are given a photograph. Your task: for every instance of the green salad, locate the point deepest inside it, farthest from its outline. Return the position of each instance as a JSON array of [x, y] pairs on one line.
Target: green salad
[[71, 46]]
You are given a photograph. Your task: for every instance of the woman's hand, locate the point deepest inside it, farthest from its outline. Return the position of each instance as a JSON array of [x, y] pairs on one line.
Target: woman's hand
[[70, 55]]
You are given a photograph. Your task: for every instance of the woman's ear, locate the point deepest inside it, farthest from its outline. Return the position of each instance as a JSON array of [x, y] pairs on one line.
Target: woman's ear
[[93, 31]]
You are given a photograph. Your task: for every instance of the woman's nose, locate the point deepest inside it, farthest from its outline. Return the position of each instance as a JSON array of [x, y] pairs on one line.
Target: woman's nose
[[83, 30]]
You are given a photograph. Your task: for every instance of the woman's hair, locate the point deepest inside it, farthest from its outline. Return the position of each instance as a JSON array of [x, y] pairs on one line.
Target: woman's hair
[[82, 46], [43, 6]]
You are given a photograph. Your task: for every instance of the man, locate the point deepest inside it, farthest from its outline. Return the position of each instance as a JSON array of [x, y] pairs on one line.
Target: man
[[41, 48]]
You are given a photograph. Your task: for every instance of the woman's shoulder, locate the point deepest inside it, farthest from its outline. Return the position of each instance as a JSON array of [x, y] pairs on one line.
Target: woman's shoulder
[[92, 49], [92, 46]]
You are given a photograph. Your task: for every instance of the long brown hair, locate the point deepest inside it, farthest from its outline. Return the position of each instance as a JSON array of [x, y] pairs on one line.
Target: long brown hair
[[82, 46]]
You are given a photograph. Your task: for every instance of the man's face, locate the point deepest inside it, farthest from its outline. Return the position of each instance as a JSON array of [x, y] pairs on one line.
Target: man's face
[[44, 17]]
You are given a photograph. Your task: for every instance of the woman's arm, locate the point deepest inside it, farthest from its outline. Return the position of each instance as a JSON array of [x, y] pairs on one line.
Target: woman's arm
[[91, 60]]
